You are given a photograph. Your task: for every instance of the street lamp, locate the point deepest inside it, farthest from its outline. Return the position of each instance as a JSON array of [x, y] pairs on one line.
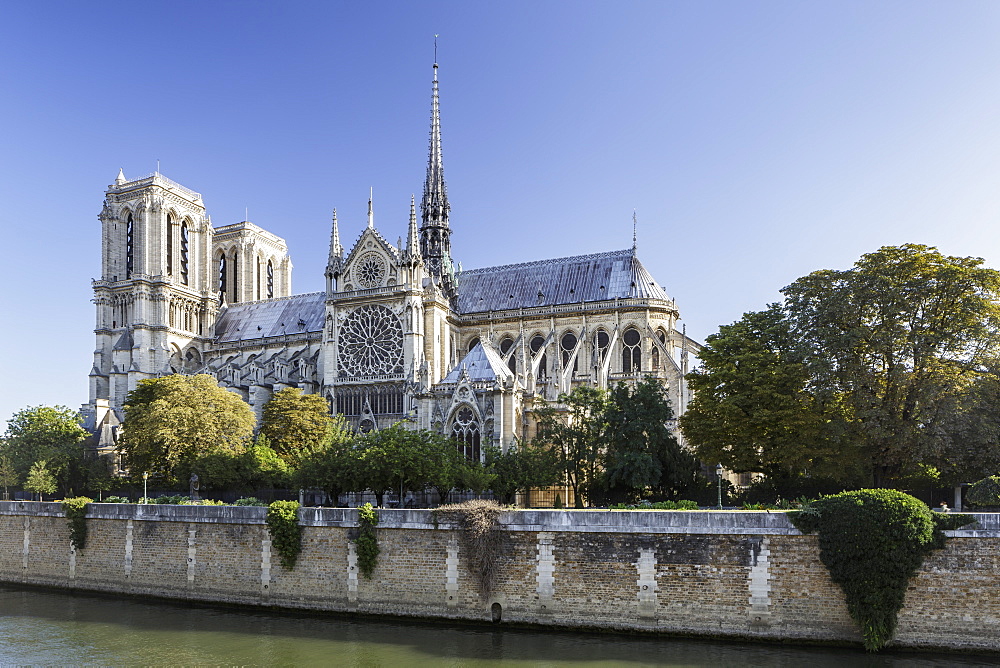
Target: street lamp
[[718, 473], [145, 494]]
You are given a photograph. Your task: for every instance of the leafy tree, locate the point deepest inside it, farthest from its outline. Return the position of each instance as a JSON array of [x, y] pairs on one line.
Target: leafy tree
[[99, 476], [40, 480], [401, 459], [520, 469], [335, 468], [642, 452], [754, 408], [295, 423], [50, 433], [871, 369], [574, 428], [8, 475], [174, 420]]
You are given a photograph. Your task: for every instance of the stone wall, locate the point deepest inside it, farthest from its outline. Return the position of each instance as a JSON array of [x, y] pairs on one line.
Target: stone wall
[[735, 574]]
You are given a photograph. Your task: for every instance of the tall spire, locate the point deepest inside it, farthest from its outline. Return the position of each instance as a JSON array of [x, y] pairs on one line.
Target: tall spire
[[371, 214], [435, 233], [412, 235], [336, 250], [635, 226]]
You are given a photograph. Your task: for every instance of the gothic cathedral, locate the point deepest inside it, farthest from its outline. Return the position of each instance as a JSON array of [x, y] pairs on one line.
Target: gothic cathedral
[[399, 333]]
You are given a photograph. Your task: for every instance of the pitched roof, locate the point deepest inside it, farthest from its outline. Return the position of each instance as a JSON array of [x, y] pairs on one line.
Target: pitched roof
[[568, 280], [273, 317], [482, 364]]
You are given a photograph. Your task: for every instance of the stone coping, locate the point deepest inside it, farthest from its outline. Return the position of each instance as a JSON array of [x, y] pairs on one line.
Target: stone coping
[[742, 522]]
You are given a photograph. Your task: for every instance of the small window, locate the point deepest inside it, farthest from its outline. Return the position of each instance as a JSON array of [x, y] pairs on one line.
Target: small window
[[270, 280], [184, 253], [222, 278]]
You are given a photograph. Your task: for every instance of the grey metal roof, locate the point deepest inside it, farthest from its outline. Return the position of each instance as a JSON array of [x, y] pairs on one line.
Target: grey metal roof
[[568, 280], [481, 364], [274, 317]]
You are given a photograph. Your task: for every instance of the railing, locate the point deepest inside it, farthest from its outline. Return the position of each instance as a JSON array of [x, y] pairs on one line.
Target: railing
[[567, 308], [156, 176]]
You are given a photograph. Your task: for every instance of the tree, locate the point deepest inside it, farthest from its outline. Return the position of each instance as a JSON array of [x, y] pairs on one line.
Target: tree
[[574, 429], [871, 367], [642, 452], [8, 475], [50, 433], [520, 469], [295, 423], [99, 475], [40, 480], [335, 468], [754, 408], [174, 420]]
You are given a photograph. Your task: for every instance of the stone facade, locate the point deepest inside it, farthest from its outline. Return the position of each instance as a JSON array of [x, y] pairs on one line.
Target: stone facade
[[401, 331], [713, 574]]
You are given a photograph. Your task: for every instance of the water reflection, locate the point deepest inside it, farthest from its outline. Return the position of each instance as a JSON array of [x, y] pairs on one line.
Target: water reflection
[[41, 627]]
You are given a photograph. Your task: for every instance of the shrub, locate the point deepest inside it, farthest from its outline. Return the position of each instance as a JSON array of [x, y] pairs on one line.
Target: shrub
[[482, 538], [286, 534], [115, 499], [170, 500], [872, 541], [658, 505], [985, 492], [249, 501], [76, 512], [367, 542]]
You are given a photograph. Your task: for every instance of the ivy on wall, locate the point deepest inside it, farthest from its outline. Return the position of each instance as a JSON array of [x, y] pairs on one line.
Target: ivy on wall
[[481, 536], [76, 512], [286, 533], [873, 541], [367, 542]]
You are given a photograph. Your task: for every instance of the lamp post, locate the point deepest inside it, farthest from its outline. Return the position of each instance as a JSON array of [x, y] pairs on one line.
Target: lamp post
[[145, 494], [718, 473]]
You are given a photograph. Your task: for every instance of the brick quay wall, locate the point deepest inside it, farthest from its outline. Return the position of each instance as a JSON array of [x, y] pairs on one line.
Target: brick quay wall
[[699, 573]]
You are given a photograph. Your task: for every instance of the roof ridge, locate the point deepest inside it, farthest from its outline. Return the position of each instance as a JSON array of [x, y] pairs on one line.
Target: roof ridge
[[591, 256]]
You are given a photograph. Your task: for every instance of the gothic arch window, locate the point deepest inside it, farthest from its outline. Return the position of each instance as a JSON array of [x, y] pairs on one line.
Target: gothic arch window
[[257, 282], [235, 297], [631, 352], [371, 342], [270, 280], [601, 342], [654, 354], [129, 245], [505, 345], [222, 277], [170, 245], [537, 341], [473, 343], [465, 430], [567, 344], [184, 253]]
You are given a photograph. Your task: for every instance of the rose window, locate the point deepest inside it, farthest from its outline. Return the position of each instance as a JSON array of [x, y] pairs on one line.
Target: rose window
[[371, 270], [371, 342]]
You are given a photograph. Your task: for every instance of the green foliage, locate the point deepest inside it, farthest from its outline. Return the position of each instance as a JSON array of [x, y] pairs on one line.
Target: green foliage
[[872, 541], [98, 471], [249, 501], [658, 505], [76, 512], [367, 542], [8, 475], [166, 500], [286, 533], [296, 423], [860, 374], [40, 479], [401, 459], [115, 499], [558, 504], [574, 429], [985, 492], [49, 433], [173, 421], [481, 536], [519, 469]]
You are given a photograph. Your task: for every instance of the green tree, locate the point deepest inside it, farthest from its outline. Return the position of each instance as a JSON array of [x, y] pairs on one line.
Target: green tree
[[642, 452], [754, 408], [50, 433], [871, 369], [99, 477], [520, 469], [40, 480], [401, 459], [574, 428], [172, 421], [8, 475], [295, 423], [335, 468]]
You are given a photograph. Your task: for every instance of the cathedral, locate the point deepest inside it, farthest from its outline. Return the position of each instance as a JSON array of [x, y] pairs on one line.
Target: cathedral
[[399, 333]]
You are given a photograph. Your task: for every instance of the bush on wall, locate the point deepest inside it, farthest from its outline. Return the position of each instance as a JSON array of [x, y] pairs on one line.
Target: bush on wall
[[286, 534], [872, 541], [482, 538], [76, 512], [367, 542]]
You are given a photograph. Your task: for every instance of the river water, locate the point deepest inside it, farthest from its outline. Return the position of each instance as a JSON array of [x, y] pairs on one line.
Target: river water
[[52, 628]]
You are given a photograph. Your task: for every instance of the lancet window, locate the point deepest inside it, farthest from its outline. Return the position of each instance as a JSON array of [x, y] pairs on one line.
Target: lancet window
[[568, 344], [631, 352], [184, 253], [129, 246], [466, 431], [601, 342], [222, 277], [505, 345], [270, 280], [536, 345], [170, 245]]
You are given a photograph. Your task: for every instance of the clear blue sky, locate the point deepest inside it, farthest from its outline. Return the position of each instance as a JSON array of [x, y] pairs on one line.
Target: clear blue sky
[[757, 141]]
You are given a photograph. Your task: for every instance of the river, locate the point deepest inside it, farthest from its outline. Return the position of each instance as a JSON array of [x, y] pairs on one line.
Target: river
[[39, 627]]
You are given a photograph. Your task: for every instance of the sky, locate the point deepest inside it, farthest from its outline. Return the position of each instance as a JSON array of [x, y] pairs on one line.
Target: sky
[[755, 141]]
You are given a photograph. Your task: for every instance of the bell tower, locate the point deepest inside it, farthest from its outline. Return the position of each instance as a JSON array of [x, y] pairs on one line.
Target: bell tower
[[155, 299]]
